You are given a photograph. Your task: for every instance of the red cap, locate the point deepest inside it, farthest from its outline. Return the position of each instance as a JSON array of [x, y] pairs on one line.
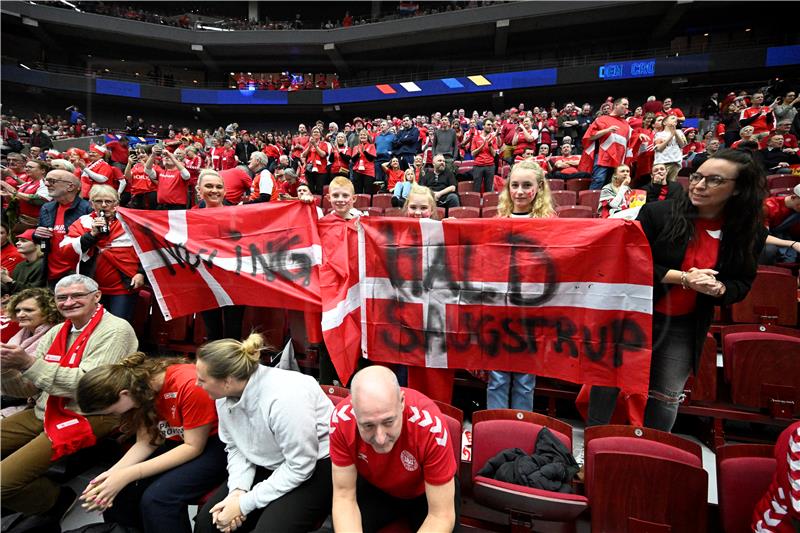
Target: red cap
[[513, 110], [358, 119], [98, 148], [26, 235]]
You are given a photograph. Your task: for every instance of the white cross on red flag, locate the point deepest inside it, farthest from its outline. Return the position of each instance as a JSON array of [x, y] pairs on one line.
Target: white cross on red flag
[[263, 255], [569, 299]]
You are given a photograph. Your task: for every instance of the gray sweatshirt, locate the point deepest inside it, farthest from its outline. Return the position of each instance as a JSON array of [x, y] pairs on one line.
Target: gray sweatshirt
[[280, 423]]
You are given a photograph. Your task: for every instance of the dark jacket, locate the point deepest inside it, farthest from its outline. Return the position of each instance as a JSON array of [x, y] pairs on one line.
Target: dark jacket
[[655, 218], [772, 157], [438, 183], [244, 150], [406, 141], [674, 190], [551, 467], [42, 140], [47, 219]]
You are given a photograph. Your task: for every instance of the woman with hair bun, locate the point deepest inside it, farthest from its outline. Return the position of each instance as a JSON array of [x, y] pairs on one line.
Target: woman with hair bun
[[178, 456], [274, 424]]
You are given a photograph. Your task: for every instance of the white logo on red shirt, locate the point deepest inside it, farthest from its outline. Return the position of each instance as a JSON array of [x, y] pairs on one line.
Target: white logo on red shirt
[[170, 395], [424, 419], [363, 457], [409, 461]]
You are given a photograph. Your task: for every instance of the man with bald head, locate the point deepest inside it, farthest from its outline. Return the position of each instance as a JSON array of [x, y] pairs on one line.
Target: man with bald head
[[392, 458], [55, 218]]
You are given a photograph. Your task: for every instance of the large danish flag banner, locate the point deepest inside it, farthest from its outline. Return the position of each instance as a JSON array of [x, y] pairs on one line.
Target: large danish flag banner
[[569, 299], [263, 255]]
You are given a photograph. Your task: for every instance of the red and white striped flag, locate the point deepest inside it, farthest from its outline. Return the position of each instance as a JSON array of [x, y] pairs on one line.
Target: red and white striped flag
[[570, 299], [263, 255]]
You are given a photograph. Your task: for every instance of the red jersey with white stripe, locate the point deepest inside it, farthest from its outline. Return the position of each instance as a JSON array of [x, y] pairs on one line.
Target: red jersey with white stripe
[[182, 405], [780, 506], [422, 453], [611, 148], [98, 167]]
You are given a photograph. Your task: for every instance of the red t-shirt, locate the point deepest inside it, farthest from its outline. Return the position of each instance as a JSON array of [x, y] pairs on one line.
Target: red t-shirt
[[302, 140], [237, 183], [228, 159], [272, 151], [59, 261], [423, 452], [182, 405], [775, 212], [485, 157], [193, 165], [395, 176], [140, 183], [522, 142], [119, 153], [99, 167], [702, 252], [289, 189], [762, 123], [10, 257], [172, 188], [569, 169], [360, 163]]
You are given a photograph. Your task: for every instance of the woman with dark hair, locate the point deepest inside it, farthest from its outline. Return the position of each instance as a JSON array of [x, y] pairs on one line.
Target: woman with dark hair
[[705, 249], [177, 457]]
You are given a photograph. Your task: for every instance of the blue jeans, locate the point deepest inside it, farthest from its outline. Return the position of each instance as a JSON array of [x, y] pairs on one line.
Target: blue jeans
[[600, 176], [497, 396], [121, 305], [160, 503], [402, 189]]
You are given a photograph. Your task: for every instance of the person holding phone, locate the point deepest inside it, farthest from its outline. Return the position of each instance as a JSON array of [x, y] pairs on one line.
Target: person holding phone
[[102, 250], [172, 179]]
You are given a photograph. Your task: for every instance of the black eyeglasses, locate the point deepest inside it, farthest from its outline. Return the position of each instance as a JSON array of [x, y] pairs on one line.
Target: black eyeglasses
[[711, 181]]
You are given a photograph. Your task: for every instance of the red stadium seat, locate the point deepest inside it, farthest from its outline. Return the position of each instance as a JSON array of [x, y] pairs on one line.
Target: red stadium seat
[[578, 184], [732, 334], [393, 212], [318, 200], [489, 212], [464, 212], [702, 387], [671, 497], [684, 182], [470, 199], [744, 473], [556, 184], [589, 199], [490, 198], [268, 321], [498, 429], [772, 300], [463, 168], [382, 200], [765, 372], [781, 191], [335, 393], [441, 211], [363, 201], [505, 170], [564, 197], [326, 203], [464, 186], [375, 211], [782, 181], [325, 190], [575, 211]]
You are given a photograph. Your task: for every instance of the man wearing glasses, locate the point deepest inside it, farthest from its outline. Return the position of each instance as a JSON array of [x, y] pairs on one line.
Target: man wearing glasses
[[55, 218], [32, 439]]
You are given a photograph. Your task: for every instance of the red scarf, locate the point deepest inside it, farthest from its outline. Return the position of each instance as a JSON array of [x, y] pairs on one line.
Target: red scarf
[[67, 430]]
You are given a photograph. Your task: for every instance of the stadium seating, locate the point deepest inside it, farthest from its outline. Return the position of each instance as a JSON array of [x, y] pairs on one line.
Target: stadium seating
[[556, 184], [772, 300], [382, 200], [744, 473], [578, 184], [781, 191], [575, 211], [702, 387], [363, 201], [782, 181], [374, 211], [335, 393], [393, 212], [564, 197], [464, 186], [464, 212], [491, 198], [489, 212], [589, 199], [670, 497], [470, 199], [498, 429]]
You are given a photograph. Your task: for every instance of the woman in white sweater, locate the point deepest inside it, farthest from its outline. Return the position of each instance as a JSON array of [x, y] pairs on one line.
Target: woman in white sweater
[[274, 424]]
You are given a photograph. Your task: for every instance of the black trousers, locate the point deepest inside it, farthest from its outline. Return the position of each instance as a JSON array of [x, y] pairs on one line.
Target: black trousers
[[379, 509], [224, 322], [303, 509]]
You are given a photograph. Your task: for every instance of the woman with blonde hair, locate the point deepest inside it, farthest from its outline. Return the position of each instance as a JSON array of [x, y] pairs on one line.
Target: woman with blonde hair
[[274, 424], [178, 456], [525, 195]]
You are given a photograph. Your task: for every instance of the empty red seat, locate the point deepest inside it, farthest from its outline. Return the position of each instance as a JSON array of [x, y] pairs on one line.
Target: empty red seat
[[335, 393], [498, 429], [672, 496], [702, 387], [782, 180], [781, 191], [470, 199], [556, 184], [464, 212], [491, 198], [564, 197], [772, 300], [464, 186], [326, 203], [393, 212], [575, 211], [684, 182], [382, 200], [489, 212], [363, 201], [464, 167], [578, 184], [764, 371], [325, 190], [505, 170], [589, 199], [374, 211], [441, 211], [744, 473]]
